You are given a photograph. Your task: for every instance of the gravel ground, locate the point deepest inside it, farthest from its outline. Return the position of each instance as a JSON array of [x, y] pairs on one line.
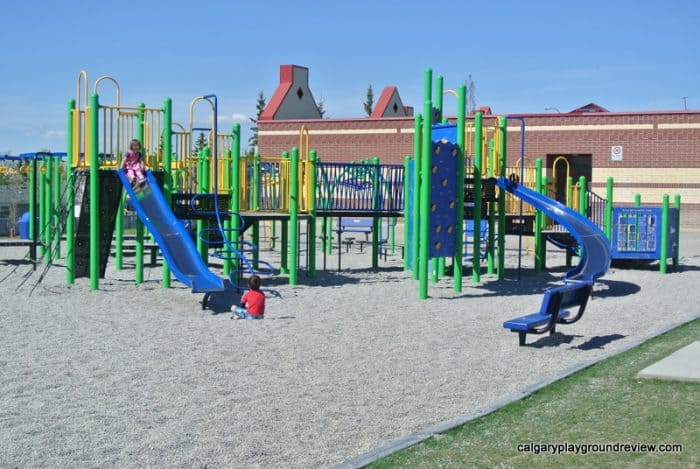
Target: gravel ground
[[351, 360]]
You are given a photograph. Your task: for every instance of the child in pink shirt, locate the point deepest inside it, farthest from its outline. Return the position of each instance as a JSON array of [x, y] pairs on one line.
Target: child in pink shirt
[[133, 164]]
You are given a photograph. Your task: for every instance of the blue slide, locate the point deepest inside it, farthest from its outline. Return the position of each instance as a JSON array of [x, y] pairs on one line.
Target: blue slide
[[595, 258], [171, 235]]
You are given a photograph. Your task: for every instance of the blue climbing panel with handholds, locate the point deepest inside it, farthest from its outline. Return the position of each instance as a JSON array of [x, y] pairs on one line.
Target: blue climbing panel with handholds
[[443, 198]]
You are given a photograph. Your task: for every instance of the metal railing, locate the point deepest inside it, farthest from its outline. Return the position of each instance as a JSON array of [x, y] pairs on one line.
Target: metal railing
[[360, 187]]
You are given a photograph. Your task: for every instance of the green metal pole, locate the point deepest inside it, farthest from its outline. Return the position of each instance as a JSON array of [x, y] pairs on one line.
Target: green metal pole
[[235, 186], [582, 187], [406, 163], [273, 236], [426, 159], [119, 235], [502, 131], [478, 144], [255, 239], [70, 199], [138, 274], [677, 206], [375, 208], [664, 235], [57, 206], [637, 200], [329, 236], [543, 224], [255, 199], [42, 208], [392, 235], [255, 184], [415, 215], [538, 217], [425, 200], [228, 220], [168, 177], [427, 93], [284, 254], [609, 207], [439, 95], [311, 235], [294, 216], [32, 205], [490, 252], [324, 223], [200, 189], [94, 193], [206, 188], [459, 221], [48, 232], [48, 206]]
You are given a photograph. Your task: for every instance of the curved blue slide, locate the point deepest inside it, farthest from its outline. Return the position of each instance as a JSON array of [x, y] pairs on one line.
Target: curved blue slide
[[595, 258], [171, 235]]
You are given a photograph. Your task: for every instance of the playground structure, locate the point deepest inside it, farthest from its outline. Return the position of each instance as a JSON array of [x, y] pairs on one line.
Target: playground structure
[[435, 227], [227, 194]]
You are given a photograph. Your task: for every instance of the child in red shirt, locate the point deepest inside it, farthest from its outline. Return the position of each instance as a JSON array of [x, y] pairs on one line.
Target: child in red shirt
[[252, 303]]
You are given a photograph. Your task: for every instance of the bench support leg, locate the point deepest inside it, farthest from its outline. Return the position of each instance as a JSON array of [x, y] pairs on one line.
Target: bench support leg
[[521, 338]]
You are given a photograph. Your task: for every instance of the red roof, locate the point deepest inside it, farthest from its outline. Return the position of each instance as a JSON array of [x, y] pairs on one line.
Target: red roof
[[383, 102], [590, 107], [286, 78]]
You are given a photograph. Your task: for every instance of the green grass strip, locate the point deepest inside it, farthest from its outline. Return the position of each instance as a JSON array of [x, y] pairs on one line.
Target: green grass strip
[[604, 404]]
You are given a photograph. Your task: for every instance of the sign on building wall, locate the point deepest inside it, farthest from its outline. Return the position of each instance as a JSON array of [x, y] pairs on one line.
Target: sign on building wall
[[616, 153]]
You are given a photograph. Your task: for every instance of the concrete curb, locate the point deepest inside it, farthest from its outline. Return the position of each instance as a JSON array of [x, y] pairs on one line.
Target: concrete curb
[[410, 440]]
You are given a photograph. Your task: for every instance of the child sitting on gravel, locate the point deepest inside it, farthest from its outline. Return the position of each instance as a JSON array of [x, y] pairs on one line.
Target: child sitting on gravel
[[252, 303]]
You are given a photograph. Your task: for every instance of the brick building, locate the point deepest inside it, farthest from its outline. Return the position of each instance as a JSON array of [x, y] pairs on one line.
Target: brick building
[[650, 153]]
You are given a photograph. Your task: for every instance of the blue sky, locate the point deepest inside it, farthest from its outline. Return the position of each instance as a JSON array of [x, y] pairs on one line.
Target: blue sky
[[524, 56]]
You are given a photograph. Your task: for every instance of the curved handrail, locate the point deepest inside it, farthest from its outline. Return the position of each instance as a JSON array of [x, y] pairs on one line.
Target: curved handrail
[[304, 150], [82, 75], [116, 86], [191, 110], [554, 166]]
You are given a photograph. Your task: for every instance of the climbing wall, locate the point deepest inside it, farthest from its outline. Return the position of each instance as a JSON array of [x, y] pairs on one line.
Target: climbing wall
[[443, 198]]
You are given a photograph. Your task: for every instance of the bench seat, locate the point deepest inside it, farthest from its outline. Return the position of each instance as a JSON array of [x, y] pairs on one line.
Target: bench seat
[[553, 310], [534, 321]]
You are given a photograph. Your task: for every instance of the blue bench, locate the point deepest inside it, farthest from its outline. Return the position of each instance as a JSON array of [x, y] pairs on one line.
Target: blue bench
[[469, 238], [355, 225], [553, 310]]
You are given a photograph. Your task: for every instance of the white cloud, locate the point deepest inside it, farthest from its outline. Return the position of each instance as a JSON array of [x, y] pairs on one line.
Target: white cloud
[[54, 134], [235, 117]]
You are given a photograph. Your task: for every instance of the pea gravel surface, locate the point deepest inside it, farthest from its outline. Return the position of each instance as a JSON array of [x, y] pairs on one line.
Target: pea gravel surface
[[138, 375]]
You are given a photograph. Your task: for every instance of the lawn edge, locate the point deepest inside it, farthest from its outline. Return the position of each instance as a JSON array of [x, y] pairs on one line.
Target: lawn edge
[[411, 440]]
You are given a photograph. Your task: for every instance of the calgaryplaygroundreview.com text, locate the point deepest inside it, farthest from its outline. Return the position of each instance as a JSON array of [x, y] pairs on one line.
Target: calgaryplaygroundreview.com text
[[586, 448]]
